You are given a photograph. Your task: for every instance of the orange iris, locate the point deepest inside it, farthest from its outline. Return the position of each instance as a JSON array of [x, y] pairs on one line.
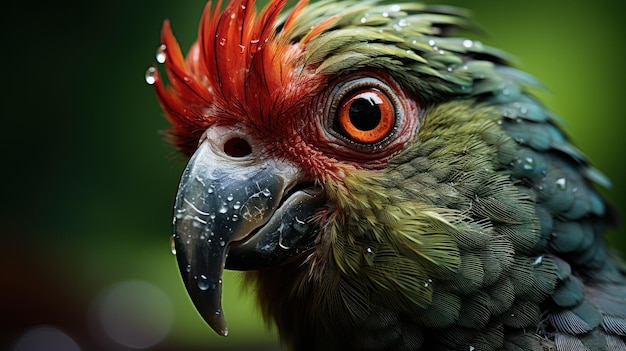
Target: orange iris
[[366, 115]]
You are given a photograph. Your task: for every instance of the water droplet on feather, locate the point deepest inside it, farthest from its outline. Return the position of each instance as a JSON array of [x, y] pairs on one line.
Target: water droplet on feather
[[160, 54], [150, 76], [254, 45], [528, 163]]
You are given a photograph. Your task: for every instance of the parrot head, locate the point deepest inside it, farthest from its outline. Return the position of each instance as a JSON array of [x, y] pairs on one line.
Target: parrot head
[[366, 169], [275, 128]]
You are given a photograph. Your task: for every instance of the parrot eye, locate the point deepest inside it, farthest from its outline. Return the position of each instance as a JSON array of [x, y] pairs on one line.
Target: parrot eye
[[366, 115], [365, 110]]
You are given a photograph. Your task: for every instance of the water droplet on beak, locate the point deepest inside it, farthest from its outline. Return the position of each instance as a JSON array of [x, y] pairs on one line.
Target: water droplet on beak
[[172, 246]]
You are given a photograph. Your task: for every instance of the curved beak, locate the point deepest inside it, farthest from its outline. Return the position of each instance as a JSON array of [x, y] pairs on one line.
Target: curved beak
[[242, 214]]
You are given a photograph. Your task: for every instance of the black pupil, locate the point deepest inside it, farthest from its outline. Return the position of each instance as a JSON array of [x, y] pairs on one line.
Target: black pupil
[[364, 114]]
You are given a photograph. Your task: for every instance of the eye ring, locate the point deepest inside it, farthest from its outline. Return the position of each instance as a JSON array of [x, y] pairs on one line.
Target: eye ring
[[366, 115], [398, 107]]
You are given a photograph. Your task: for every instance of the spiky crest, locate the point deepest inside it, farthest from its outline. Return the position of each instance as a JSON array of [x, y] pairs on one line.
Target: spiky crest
[[240, 67]]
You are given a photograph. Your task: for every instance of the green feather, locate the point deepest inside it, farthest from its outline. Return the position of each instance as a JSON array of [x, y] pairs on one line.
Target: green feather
[[444, 310]]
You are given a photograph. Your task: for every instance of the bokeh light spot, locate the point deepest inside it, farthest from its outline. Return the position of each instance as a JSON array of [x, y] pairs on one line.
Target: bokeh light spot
[[45, 339], [136, 314]]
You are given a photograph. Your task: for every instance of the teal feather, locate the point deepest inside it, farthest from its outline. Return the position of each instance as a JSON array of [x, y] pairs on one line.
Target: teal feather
[[570, 237], [614, 325], [569, 343], [578, 320], [569, 293]]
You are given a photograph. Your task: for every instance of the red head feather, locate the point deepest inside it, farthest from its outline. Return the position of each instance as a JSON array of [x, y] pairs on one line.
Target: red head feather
[[239, 68]]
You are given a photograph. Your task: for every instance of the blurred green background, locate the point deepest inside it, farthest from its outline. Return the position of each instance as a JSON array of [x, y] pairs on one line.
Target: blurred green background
[[88, 182]]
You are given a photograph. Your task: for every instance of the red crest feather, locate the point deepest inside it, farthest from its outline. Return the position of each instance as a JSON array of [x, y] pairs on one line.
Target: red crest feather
[[239, 68]]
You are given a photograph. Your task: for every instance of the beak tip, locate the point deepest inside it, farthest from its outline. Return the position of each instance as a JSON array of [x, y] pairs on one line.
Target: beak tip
[[209, 306], [218, 324]]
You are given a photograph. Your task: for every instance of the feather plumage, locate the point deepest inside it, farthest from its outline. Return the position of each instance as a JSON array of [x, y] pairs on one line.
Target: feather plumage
[[475, 225]]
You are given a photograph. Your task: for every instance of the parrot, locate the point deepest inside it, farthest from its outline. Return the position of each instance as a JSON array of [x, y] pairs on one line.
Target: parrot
[[385, 181]]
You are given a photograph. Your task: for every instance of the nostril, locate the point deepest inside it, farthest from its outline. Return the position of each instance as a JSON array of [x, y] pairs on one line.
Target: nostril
[[237, 147]]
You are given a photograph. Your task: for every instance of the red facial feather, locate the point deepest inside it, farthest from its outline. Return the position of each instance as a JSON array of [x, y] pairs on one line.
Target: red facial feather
[[239, 70]]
